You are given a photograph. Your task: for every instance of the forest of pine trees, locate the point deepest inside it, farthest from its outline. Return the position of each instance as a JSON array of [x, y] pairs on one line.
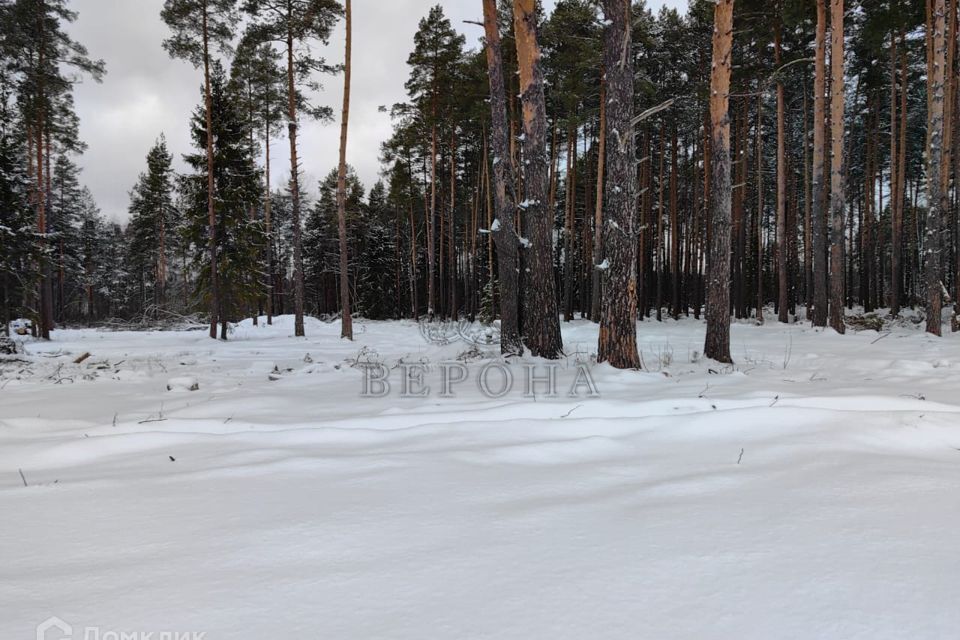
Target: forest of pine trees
[[596, 161]]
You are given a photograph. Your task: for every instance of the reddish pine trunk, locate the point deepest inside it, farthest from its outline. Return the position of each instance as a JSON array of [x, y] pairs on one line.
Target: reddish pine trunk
[[818, 314], [782, 252], [837, 195], [295, 191], [717, 343], [346, 320]]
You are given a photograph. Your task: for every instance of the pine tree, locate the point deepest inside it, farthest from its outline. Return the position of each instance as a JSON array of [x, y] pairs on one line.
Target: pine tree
[[41, 54], [618, 317], [256, 68], [505, 199], [818, 197], [346, 322], [542, 324], [236, 182], [717, 344], [199, 25], [837, 195], [935, 156], [437, 51], [296, 24]]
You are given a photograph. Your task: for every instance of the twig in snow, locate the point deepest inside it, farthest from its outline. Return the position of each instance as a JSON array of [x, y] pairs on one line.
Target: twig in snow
[[23, 478], [741, 455], [881, 337], [571, 411], [915, 396], [775, 398], [704, 392], [159, 417]]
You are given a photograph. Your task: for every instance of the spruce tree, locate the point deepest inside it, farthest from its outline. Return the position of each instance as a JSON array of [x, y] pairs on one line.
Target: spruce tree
[[198, 26], [262, 87], [153, 224], [236, 182]]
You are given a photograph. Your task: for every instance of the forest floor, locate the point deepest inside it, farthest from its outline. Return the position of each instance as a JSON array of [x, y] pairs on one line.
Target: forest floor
[[810, 491]]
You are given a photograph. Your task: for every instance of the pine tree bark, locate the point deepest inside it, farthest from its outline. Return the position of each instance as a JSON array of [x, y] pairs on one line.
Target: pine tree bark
[[896, 200], [935, 142], [807, 197], [346, 320], [837, 195], [717, 343], [268, 221], [782, 251], [818, 314], [432, 221], [759, 226], [211, 185], [902, 160], [542, 320], [570, 204], [618, 314], [45, 294], [505, 200], [675, 266], [292, 129], [596, 287]]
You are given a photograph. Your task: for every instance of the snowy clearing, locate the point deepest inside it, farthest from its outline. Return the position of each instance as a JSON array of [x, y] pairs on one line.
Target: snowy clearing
[[809, 492]]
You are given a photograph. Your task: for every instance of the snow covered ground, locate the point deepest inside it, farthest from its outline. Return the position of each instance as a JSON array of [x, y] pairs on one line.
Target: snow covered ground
[[810, 491]]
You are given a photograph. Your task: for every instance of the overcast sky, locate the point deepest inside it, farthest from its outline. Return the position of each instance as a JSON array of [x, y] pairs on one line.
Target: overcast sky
[[145, 93]]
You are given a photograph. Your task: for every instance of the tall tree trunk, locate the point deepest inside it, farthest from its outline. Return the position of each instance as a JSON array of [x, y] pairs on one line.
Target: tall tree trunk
[[432, 221], [346, 320], [759, 227], [45, 290], [596, 286], [819, 312], [675, 266], [452, 286], [618, 315], [837, 196], [896, 199], [660, 199], [807, 197], [505, 200], [294, 187], [935, 137], [268, 221], [571, 198], [717, 343], [782, 250], [211, 184], [543, 322]]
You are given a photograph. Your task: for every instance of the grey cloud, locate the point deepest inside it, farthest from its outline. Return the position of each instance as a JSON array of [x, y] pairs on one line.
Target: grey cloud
[[145, 93]]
